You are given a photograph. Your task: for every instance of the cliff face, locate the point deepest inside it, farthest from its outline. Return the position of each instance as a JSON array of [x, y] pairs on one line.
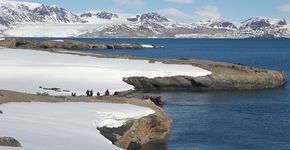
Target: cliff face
[[225, 76], [135, 133]]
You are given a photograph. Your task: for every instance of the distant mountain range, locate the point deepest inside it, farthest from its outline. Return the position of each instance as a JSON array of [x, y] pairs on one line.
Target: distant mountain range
[[32, 19]]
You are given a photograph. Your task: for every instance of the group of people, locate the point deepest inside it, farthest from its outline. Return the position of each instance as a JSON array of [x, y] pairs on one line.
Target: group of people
[[90, 93], [155, 99]]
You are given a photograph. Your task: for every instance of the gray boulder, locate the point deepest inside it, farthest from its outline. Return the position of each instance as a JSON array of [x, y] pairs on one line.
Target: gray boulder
[[9, 141]]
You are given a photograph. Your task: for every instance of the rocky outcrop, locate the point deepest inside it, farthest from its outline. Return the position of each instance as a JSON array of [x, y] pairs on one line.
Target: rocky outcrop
[[132, 134], [61, 45], [9, 141], [225, 76], [136, 133]]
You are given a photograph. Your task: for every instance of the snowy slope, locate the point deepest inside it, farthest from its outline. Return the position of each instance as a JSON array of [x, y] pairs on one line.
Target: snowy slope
[[64, 126], [14, 13], [27, 70]]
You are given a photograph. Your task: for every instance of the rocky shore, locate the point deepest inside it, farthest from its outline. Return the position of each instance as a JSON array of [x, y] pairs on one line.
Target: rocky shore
[[225, 76], [133, 134], [65, 45]]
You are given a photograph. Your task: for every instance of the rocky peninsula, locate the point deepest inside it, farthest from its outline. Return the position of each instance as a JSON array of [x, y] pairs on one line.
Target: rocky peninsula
[[225, 76], [135, 133]]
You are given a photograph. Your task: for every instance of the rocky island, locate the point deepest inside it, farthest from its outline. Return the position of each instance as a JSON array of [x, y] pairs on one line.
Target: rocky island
[[205, 75]]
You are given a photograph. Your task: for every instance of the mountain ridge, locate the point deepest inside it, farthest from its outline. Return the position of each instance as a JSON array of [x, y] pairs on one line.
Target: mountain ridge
[[17, 17]]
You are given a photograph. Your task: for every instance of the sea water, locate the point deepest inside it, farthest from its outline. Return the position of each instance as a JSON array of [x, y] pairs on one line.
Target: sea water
[[224, 120]]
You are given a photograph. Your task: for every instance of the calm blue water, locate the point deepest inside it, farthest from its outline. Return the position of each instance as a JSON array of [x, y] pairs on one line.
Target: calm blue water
[[228, 120]]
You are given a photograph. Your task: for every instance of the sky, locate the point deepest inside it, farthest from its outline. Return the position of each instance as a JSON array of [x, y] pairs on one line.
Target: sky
[[183, 10]]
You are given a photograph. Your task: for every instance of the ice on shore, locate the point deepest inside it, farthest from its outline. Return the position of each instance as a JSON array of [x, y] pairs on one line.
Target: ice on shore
[[27, 70], [63, 126], [147, 46]]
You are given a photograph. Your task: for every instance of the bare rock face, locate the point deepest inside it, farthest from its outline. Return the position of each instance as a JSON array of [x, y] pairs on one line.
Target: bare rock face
[[67, 45], [135, 133], [224, 76], [9, 141]]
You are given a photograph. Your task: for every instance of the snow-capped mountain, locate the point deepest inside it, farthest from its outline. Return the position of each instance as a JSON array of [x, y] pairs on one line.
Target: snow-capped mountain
[[219, 24], [32, 19], [99, 15], [141, 25], [14, 13], [149, 17], [258, 23]]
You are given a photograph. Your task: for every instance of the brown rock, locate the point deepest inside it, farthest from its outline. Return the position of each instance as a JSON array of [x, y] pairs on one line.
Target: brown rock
[[63, 45], [136, 133], [9, 141], [225, 76]]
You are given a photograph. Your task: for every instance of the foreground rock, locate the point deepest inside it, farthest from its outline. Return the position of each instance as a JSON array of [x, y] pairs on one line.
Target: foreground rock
[[133, 134], [68, 45], [225, 76], [9, 141]]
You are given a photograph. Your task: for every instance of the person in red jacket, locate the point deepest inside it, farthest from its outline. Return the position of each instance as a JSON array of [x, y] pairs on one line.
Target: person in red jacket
[[107, 93]]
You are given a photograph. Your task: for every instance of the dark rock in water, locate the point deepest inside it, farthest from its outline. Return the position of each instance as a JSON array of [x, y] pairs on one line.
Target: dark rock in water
[[9, 141]]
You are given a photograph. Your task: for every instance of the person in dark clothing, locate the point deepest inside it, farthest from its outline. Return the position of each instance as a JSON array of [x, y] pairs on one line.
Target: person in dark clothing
[[107, 93], [116, 93], [98, 94], [91, 93], [88, 93]]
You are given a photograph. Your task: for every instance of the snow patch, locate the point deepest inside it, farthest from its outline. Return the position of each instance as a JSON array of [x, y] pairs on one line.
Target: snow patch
[[147, 46], [27, 70], [60, 126]]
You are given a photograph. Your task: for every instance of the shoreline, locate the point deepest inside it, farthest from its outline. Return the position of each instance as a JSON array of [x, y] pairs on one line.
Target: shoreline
[[225, 76], [127, 138]]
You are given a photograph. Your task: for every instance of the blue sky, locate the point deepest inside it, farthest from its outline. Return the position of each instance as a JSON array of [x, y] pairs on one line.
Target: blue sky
[[234, 10]]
